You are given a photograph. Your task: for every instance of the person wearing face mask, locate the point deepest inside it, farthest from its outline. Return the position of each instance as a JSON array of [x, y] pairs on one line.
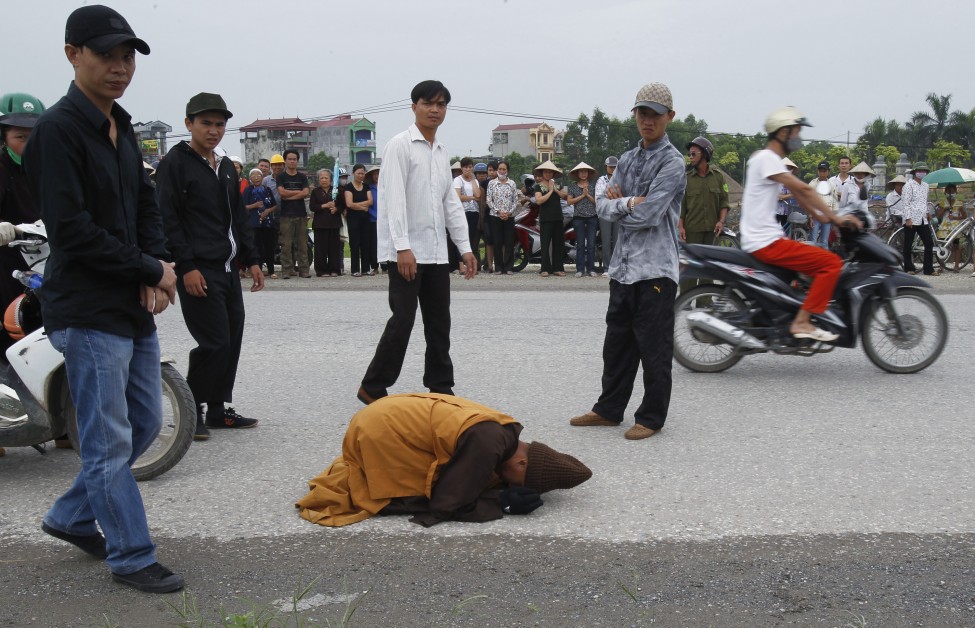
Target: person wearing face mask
[[18, 113], [950, 213], [761, 234], [502, 203], [915, 201], [853, 197]]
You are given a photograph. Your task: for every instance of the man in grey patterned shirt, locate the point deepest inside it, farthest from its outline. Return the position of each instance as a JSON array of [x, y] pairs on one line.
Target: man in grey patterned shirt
[[644, 197]]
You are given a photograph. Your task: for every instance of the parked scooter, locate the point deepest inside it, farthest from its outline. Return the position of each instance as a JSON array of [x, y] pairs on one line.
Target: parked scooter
[[903, 326], [35, 405], [528, 238]]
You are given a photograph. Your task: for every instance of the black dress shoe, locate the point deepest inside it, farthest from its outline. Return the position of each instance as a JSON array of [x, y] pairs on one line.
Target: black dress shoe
[[93, 545], [152, 579]]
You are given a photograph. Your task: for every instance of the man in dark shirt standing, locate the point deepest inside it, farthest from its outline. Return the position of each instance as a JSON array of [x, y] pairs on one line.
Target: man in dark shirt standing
[[207, 228], [105, 279], [293, 188]]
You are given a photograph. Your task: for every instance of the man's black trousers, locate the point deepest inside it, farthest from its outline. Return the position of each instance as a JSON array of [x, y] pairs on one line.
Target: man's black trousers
[[639, 330], [431, 290], [216, 323]]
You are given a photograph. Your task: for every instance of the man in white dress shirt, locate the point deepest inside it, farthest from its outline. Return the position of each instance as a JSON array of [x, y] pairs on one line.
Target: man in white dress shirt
[[419, 207]]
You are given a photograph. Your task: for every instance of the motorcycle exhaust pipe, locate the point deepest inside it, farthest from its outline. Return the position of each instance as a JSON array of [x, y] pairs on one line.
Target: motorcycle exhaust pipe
[[725, 331]]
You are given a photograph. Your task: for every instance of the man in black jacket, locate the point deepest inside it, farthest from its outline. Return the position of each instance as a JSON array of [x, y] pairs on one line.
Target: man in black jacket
[[207, 228], [105, 279]]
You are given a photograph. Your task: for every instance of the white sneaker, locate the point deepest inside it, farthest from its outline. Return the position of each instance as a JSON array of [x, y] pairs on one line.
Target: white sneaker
[[578, 274], [605, 274], [592, 273]]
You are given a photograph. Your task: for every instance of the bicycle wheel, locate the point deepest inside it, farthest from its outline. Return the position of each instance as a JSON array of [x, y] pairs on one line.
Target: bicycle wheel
[[725, 239], [917, 253], [964, 246], [799, 234]]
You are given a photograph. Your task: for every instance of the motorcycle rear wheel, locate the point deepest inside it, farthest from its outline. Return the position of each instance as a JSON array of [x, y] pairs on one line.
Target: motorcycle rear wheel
[[925, 327], [520, 257], [179, 423], [696, 350]]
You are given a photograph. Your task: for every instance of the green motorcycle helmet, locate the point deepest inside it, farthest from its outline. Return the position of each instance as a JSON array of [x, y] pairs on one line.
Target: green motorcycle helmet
[[20, 109]]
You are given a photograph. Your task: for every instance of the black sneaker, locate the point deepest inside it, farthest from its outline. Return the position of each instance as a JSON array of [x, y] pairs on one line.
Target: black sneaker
[[201, 433], [230, 419], [93, 545], [152, 579]]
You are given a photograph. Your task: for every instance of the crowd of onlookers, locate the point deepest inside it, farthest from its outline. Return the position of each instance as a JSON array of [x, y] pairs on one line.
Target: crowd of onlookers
[[282, 202], [343, 214]]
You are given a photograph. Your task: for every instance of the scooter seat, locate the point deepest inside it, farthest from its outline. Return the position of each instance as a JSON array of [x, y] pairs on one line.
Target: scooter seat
[[734, 255]]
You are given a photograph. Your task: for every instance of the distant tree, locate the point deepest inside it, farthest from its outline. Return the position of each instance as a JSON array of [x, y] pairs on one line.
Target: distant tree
[[742, 145], [729, 161], [575, 144], [518, 165], [945, 153], [890, 154], [961, 129], [317, 161]]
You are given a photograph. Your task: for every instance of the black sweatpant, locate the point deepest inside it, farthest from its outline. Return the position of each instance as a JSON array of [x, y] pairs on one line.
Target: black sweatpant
[[473, 234], [639, 329], [553, 246], [431, 289], [216, 323], [503, 236], [358, 222], [266, 239], [923, 232], [327, 251]]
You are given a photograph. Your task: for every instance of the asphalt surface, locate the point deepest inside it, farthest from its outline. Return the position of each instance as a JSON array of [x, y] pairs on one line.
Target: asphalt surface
[[805, 491]]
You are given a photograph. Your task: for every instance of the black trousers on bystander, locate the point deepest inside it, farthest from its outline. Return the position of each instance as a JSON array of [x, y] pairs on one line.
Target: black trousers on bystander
[[216, 323], [431, 290], [639, 330]]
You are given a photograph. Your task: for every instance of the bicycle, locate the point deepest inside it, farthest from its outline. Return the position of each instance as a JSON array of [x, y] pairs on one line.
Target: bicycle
[[727, 237], [961, 237]]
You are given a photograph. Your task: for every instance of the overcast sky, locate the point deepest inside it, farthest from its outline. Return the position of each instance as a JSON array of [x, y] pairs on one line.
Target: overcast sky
[[842, 63]]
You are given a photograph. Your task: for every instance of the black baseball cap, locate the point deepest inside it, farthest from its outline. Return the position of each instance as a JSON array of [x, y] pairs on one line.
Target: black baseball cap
[[100, 28], [207, 102], [823, 165]]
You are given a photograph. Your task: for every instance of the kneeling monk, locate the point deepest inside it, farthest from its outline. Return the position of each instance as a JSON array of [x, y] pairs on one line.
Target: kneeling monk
[[439, 458]]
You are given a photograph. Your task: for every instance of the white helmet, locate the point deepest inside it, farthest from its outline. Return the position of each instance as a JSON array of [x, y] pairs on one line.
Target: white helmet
[[781, 118]]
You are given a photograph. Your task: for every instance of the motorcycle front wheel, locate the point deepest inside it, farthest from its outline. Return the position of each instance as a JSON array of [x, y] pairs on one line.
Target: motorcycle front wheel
[[178, 425], [923, 334], [698, 350]]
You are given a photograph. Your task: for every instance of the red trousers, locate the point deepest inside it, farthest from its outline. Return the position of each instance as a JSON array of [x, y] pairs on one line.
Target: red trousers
[[824, 268]]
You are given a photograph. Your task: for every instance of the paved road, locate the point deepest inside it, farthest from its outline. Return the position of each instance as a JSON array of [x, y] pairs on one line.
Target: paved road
[[786, 490]]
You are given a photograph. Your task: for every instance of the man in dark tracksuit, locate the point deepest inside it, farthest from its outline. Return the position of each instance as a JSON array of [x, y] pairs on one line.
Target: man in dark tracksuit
[[207, 229]]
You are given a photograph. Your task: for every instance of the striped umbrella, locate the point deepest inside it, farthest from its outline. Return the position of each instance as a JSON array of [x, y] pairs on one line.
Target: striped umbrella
[[958, 176]]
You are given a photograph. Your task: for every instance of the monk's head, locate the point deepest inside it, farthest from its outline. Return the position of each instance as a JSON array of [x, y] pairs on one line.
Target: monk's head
[[513, 469], [540, 467]]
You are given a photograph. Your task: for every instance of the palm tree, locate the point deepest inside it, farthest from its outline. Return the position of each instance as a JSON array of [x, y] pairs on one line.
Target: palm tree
[[961, 129], [930, 127], [880, 131]]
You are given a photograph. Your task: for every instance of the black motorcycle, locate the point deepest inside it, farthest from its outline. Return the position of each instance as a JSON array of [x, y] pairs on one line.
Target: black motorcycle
[[750, 308]]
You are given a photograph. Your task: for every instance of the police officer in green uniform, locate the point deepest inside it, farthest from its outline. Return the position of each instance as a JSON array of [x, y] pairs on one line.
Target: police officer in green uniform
[[705, 205]]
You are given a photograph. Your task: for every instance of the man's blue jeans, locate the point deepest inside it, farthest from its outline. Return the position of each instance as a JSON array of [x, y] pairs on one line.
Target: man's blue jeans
[[585, 244], [820, 234], [116, 387]]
